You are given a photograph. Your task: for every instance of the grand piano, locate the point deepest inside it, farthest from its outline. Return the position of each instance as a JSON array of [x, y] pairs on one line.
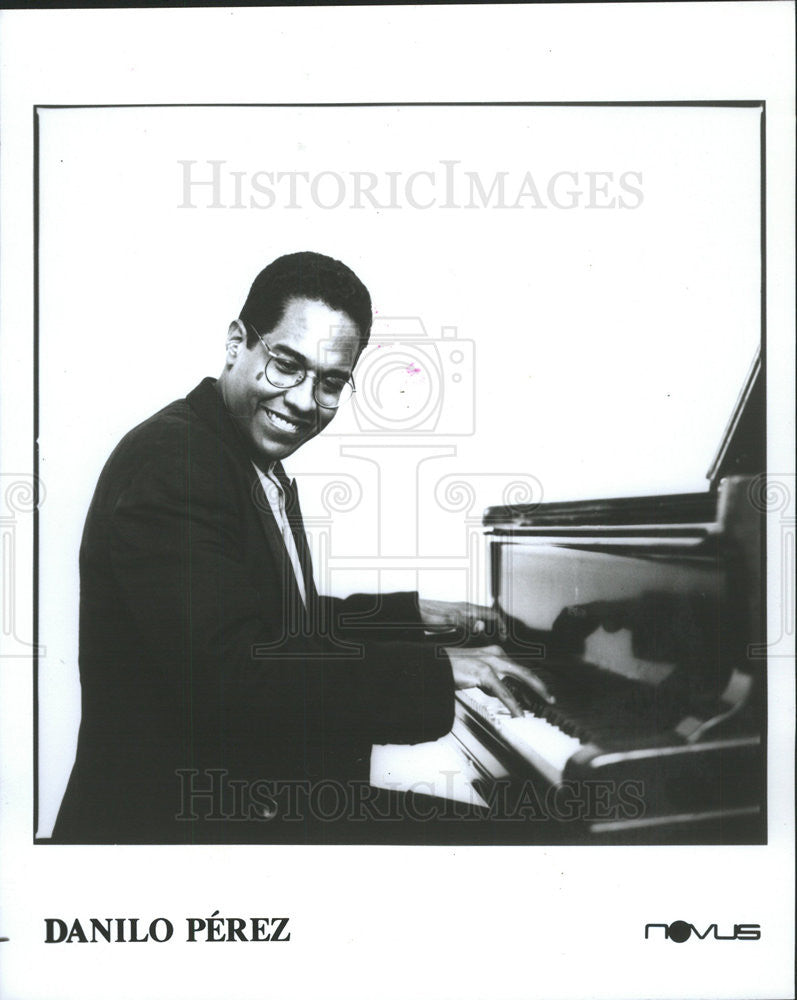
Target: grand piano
[[641, 619]]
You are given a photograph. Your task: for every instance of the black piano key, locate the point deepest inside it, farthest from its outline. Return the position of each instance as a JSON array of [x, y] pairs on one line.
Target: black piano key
[[595, 705]]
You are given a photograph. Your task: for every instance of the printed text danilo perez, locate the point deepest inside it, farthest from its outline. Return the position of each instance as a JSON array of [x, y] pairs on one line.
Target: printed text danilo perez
[[134, 930]]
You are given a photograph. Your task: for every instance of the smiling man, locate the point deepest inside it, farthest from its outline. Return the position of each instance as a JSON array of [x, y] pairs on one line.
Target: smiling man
[[270, 384], [213, 674]]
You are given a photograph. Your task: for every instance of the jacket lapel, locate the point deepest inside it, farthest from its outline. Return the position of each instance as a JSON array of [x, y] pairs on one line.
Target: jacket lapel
[[295, 609], [296, 522], [207, 402]]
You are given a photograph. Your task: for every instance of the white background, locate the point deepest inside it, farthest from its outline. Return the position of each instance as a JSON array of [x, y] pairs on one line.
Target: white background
[[605, 328], [603, 347]]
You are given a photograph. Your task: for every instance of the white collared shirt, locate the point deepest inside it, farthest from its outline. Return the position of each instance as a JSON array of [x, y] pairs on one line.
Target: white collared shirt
[[276, 500]]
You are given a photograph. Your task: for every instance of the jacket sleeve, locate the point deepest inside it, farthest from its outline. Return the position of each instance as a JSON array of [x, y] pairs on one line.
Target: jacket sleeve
[[376, 617], [177, 556]]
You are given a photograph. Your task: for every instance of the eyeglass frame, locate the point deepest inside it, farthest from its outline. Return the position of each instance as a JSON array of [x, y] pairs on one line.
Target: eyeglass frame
[[349, 381]]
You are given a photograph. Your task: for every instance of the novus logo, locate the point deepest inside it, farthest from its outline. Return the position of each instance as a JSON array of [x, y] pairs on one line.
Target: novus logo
[[680, 931]]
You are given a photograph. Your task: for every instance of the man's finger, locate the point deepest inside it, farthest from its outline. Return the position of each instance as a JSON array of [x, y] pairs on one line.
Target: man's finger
[[495, 654], [495, 686], [503, 665]]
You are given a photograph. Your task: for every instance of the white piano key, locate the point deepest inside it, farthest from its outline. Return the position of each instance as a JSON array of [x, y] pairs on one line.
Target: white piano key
[[538, 741]]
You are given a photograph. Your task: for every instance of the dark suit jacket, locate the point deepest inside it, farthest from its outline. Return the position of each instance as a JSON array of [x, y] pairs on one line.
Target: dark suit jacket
[[199, 662]]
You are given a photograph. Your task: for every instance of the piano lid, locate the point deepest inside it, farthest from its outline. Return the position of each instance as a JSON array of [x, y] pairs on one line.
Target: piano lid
[[679, 508], [741, 452]]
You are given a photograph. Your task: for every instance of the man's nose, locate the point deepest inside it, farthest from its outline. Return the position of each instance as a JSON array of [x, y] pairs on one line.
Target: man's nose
[[300, 396]]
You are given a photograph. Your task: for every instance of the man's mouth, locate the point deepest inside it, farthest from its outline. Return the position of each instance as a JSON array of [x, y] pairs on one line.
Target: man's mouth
[[282, 423]]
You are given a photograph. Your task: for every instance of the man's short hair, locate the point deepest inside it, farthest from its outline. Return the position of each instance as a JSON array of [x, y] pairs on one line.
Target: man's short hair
[[306, 275]]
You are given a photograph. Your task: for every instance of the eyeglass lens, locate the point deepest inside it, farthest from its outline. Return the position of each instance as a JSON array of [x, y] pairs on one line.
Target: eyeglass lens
[[327, 393]]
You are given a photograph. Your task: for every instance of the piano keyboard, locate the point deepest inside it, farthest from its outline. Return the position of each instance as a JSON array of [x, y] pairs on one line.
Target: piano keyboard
[[544, 745], [691, 780]]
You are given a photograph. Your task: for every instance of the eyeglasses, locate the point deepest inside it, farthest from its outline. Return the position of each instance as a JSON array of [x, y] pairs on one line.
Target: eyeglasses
[[329, 391]]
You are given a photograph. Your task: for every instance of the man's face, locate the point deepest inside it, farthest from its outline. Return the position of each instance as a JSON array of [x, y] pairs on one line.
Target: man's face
[[277, 421]]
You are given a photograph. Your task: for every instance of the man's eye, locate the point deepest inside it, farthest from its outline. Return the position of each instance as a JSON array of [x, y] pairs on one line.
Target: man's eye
[[333, 385], [286, 367]]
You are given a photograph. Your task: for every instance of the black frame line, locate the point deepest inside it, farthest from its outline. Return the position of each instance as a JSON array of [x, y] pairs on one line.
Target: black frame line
[[150, 4], [730, 103], [745, 103]]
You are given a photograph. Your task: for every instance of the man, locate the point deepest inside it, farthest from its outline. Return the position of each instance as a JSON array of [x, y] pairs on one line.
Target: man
[[210, 666]]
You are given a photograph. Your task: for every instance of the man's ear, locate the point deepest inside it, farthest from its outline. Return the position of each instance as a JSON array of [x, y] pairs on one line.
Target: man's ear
[[236, 340]]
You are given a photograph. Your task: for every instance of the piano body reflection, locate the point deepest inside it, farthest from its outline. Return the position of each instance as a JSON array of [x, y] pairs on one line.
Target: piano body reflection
[[642, 621]]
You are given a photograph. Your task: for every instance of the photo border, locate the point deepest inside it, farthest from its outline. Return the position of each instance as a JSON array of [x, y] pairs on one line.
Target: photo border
[[761, 104]]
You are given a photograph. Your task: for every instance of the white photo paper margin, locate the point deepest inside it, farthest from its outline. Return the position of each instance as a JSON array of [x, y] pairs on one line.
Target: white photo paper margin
[[375, 922]]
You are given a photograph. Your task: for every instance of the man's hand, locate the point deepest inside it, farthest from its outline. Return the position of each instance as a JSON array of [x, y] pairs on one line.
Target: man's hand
[[487, 667], [473, 619]]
